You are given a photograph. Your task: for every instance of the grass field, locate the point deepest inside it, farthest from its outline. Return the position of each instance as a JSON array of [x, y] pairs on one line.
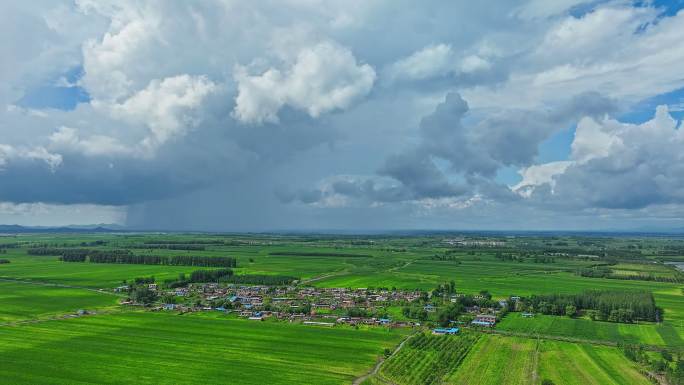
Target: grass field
[[497, 360], [646, 333], [150, 348], [22, 301], [509, 360], [583, 364]]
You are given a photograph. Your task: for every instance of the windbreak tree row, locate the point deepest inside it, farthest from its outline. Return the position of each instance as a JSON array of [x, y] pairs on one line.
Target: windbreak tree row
[[126, 257], [614, 306]]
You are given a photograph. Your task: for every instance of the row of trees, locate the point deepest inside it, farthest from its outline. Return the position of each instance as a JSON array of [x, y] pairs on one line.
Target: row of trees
[[200, 276], [174, 246], [260, 279], [3, 261], [667, 365], [615, 306], [606, 272], [126, 257], [318, 254]]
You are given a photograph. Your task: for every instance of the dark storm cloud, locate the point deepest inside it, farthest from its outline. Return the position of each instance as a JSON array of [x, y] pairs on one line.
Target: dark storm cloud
[[475, 152]]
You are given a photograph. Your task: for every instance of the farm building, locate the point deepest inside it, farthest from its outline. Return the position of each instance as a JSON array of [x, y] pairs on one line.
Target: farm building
[[484, 320], [445, 331], [527, 315]]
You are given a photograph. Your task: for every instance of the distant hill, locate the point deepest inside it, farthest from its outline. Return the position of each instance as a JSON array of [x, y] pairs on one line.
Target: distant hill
[[17, 229]]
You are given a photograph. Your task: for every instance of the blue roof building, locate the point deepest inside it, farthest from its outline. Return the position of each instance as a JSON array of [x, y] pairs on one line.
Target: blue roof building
[[443, 331]]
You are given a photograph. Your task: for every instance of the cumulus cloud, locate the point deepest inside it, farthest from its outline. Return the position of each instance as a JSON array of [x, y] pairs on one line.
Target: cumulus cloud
[[9, 154], [616, 165], [322, 78], [447, 65], [68, 139], [167, 107], [450, 149]]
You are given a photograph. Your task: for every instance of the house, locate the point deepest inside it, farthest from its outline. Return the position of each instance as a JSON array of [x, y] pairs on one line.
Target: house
[[445, 331], [527, 315], [121, 289], [152, 286], [429, 308], [256, 318], [484, 320], [169, 306], [384, 321]]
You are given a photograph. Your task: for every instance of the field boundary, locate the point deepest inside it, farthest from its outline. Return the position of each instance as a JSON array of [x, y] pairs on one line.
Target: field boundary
[[382, 359], [656, 348]]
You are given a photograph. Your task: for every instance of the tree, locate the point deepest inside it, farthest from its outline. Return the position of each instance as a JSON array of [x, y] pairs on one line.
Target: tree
[[546, 381], [143, 295], [570, 311]]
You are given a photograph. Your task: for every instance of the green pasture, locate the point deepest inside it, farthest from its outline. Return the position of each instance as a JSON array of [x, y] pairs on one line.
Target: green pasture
[[584, 364], [545, 325], [23, 301], [150, 348], [497, 360]]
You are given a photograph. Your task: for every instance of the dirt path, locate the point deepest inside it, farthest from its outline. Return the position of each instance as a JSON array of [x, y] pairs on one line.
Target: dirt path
[[324, 276], [401, 267], [378, 365]]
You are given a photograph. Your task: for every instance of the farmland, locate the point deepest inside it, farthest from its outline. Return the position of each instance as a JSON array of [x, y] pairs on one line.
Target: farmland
[[324, 299], [47, 300], [144, 348]]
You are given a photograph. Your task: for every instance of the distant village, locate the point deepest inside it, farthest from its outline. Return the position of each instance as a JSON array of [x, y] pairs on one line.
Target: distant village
[[313, 306]]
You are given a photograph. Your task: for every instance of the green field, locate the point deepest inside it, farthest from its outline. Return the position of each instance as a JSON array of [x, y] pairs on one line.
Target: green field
[[583, 364], [427, 359], [509, 360], [22, 301], [497, 360], [645, 333], [149, 348]]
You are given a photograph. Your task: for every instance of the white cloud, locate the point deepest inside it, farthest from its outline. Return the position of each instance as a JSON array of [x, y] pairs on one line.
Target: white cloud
[[8, 154], [615, 165], [323, 78], [433, 60], [68, 139], [604, 50], [437, 60], [538, 175], [167, 107]]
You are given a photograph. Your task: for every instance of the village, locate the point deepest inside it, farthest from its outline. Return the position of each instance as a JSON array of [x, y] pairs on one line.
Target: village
[[325, 307]]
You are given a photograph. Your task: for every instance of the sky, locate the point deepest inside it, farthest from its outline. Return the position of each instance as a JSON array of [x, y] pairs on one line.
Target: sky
[[225, 115]]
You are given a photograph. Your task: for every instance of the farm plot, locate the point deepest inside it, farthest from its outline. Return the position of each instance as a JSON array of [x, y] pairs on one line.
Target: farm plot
[[498, 360], [646, 333], [23, 301], [150, 348], [427, 359], [584, 364]]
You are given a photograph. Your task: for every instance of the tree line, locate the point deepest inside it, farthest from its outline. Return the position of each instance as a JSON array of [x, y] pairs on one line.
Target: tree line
[[169, 247], [319, 254], [606, 272], [613, 306], [260, 279], [199, 276], [126, 257]]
